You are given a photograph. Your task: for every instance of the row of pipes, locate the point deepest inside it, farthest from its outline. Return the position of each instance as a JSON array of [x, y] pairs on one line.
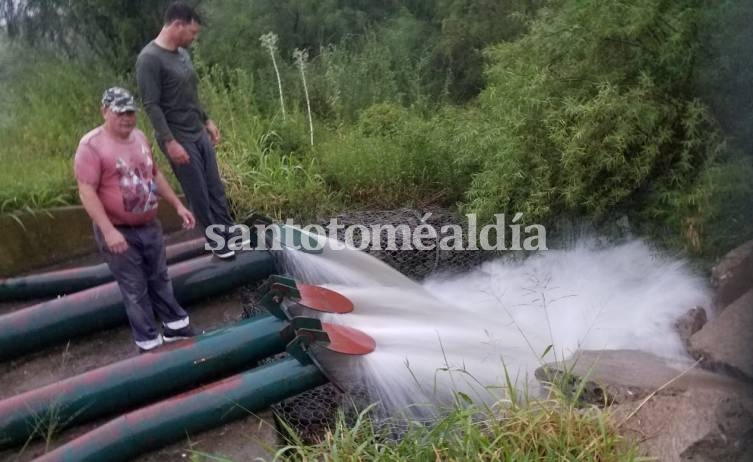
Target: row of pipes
[[163, 381]]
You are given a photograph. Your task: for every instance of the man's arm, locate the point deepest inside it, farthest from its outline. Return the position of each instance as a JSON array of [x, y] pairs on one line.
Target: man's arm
[[115, 241], [167, 193], [150, 88], [214, 132]]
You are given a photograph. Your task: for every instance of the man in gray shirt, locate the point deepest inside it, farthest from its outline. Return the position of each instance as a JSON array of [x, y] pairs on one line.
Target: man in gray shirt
[[168, 85]]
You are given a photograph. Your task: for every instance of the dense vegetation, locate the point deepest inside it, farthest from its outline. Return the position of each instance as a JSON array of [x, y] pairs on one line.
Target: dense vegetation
[[562, 109], [565, 110]]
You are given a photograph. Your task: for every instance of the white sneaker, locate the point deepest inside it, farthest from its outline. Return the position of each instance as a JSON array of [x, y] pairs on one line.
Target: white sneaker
[[224, 254]]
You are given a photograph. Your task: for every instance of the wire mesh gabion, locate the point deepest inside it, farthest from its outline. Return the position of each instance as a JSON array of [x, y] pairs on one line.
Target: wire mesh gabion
[[311, 413], [404, 257]]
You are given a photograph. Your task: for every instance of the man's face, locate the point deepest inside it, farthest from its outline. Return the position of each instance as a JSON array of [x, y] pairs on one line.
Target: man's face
[[187, 32], [120, 124]]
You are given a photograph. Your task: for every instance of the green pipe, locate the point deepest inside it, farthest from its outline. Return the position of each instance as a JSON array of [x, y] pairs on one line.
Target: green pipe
[[127, 436], [101, 307], [67, 281], [139, 380]]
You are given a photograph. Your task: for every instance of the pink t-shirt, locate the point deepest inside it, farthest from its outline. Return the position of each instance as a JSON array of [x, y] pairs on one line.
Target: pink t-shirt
[[122, 171]]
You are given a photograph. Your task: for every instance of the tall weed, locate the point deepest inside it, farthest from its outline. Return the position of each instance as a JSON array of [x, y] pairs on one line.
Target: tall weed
[[266, 163]]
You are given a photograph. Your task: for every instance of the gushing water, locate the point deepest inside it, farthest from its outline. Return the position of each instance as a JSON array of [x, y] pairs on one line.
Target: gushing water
[[469, 333]]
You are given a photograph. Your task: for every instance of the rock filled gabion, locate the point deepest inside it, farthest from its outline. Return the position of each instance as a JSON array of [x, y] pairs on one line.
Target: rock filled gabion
[[310, 413], [414, 263]]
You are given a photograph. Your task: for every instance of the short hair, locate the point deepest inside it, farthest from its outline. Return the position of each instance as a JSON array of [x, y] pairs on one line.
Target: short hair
[[179, 11]]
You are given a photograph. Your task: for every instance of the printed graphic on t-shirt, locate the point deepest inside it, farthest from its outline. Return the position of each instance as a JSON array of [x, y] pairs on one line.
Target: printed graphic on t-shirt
[[137, 186]]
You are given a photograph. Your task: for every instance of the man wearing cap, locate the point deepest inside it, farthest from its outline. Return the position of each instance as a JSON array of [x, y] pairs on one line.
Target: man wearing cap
[[185, 133], [119, 185]]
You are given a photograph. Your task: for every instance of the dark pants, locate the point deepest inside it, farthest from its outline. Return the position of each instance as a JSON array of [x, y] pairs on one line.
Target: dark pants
[[141, 274], [202, 185]]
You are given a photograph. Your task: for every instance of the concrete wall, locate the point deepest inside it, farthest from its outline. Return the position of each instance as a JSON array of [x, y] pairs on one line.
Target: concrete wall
[[30, 241]]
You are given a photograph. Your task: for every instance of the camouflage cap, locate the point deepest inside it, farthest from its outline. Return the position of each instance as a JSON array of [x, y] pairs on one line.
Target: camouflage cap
[[118, 100]]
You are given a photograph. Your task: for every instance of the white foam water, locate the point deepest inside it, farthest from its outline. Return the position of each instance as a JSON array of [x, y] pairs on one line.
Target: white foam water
[[465, 333]]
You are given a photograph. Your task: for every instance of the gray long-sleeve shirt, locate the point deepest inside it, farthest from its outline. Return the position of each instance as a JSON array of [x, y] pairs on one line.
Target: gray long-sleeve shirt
[[168, 86]]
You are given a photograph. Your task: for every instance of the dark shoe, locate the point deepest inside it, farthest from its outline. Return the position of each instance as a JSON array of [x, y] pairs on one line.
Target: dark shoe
[[173, 335], [224, 254]]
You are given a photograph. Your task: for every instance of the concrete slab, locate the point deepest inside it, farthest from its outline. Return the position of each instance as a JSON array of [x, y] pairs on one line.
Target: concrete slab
[[32, 240]]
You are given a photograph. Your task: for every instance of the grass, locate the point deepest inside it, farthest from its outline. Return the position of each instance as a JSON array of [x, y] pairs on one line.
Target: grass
[[47, 425], [51, 184], [266, 163], [50, 114], [555, 428]]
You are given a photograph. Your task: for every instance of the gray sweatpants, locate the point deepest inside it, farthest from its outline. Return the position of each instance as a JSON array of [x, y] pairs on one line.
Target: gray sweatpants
[[202, 185], [141, 274]]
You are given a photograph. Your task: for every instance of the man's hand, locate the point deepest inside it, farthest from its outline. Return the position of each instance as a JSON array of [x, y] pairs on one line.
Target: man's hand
[[188, 219], [214, 132], [177, 153], [115, 241]]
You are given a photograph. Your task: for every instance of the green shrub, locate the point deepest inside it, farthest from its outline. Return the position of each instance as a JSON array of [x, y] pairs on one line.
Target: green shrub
[[711, 216], [367, 170], [588, 122]]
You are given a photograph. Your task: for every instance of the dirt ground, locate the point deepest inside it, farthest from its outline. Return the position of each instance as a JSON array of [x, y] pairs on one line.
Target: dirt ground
[[247, 439]]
